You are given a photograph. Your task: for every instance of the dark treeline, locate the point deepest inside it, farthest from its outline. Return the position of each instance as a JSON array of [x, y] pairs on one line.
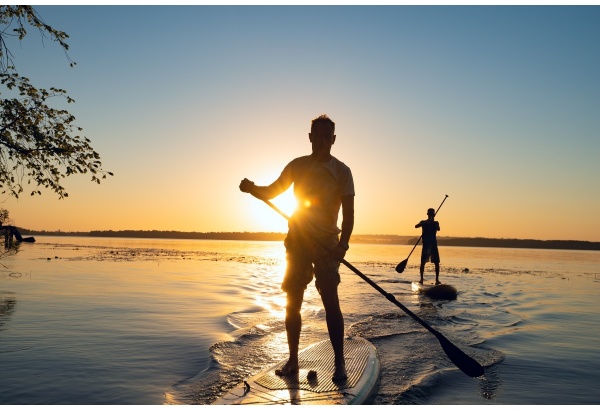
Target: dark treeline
[[51, 233], [245, 236], [518, 243], [356, 238]]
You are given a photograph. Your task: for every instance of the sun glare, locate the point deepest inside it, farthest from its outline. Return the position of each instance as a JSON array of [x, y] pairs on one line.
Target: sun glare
[[267, 220], [286, 202], [274, 304]]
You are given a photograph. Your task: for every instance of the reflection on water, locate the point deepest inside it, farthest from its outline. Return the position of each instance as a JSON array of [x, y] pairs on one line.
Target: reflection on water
[[490, 383], [8, 303]]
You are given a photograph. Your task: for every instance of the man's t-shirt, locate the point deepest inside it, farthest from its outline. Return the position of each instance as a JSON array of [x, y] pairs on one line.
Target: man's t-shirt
[[318, 188], [429, 229]]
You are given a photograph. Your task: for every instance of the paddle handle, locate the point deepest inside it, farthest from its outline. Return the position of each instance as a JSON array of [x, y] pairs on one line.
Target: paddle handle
[[441, 204]]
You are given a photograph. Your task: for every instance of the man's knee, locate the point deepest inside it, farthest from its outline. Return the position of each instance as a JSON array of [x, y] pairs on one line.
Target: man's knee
[[292, 311], [328, 286], [330, 298], [294, 302]]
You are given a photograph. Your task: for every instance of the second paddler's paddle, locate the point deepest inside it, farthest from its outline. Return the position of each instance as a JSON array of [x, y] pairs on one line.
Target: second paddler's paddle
[[400, 267], [465, 363]]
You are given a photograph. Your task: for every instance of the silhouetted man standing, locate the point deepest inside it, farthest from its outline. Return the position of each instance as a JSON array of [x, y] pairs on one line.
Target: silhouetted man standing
[[322, 184], [430, 251]]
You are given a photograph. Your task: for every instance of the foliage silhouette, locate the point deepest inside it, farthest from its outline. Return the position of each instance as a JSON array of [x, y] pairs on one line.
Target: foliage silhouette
[[39, 145]]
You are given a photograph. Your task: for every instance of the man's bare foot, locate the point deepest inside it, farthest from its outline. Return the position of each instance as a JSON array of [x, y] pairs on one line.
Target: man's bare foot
[[339, 378], [437, 282], [339, 375], [288, 369], [421, 281]]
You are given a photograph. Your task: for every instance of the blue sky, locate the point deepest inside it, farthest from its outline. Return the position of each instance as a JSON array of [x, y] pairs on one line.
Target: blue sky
[[496, 106]]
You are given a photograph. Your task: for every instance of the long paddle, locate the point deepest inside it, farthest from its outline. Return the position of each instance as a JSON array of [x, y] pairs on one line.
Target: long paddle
[[465, 363], [400, 267]]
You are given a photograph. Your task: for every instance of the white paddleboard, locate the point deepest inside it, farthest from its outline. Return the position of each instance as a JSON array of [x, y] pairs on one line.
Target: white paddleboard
[[362, 367], [441, 291]]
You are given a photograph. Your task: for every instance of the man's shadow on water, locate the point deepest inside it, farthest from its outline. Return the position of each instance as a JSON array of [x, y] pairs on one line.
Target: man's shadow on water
[[490, 383], [293, 385]]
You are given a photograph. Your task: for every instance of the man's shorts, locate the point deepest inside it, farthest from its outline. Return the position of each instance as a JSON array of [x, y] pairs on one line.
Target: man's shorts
[[307, 256], [430, 254]]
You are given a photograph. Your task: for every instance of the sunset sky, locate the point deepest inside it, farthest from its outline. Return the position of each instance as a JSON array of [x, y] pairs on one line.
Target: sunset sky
[[497, 107]]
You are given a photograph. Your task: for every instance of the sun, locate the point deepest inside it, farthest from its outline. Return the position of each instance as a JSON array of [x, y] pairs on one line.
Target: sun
[[267, 220], [286, 202]]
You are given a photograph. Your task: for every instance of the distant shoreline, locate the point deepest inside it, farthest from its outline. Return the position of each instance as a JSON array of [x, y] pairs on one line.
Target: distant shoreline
[[356, 238]]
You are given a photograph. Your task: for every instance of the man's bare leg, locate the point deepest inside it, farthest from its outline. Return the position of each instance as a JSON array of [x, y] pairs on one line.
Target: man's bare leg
[[335, 326], [293, 326], [437, 273]]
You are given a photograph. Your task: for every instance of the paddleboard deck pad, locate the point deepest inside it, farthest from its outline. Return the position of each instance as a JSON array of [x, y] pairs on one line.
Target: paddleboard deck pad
[[441, 291], [362, 367]]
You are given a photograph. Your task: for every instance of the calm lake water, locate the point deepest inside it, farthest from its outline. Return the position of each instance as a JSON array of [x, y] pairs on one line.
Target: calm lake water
[[141, 321]]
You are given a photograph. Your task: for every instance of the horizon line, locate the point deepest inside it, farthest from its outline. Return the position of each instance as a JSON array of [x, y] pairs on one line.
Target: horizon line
[[41, 232]]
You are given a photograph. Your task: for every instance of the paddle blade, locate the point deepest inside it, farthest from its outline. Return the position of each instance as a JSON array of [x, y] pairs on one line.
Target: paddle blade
[[465, 363], [400, 267]]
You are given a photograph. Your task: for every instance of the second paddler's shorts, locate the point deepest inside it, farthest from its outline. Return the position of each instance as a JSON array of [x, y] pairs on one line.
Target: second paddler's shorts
[[430, 253], [305, 258]]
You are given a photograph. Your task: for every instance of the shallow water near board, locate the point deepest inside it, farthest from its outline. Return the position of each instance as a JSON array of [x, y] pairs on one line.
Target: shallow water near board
[[140, 321]]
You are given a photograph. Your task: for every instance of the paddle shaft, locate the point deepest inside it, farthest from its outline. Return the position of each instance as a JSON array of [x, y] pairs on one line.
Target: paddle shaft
[[465, 363], [418, 240]]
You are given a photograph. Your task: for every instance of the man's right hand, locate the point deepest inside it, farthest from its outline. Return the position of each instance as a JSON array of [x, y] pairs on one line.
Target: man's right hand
[[246, 185]]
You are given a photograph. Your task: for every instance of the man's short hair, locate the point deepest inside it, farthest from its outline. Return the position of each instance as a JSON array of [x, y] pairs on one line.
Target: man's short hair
[[324, 119], [431, 211]]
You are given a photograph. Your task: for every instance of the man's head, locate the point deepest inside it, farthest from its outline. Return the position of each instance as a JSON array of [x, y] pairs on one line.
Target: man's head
[[322, 136], [431, 212], [320, 120]]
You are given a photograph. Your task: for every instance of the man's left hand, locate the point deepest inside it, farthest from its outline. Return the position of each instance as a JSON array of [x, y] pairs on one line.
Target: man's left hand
[[339, 252]]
